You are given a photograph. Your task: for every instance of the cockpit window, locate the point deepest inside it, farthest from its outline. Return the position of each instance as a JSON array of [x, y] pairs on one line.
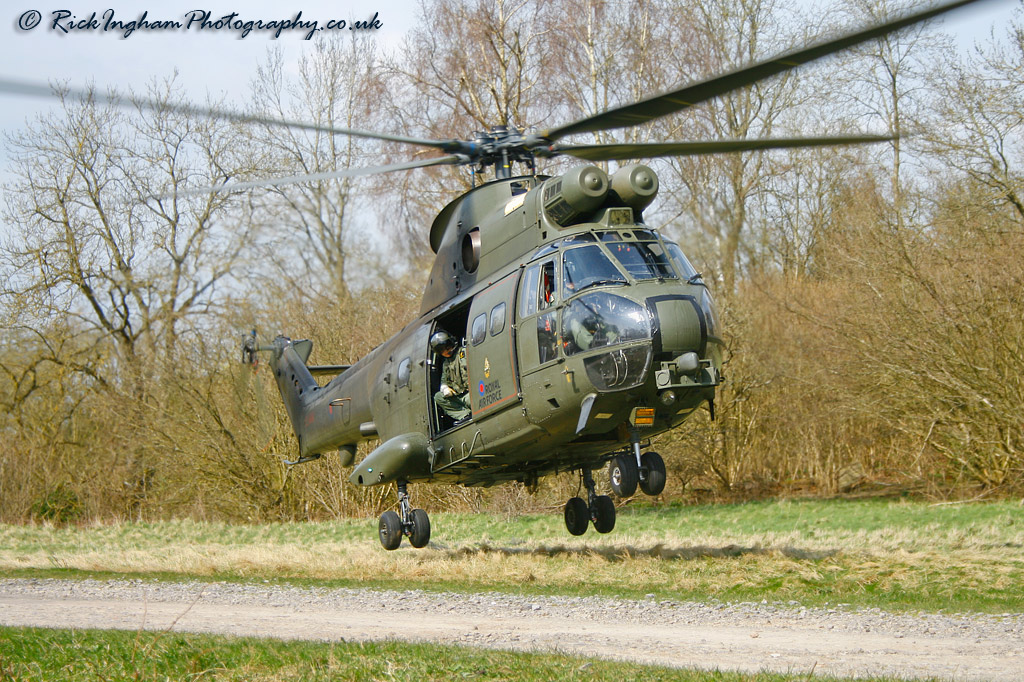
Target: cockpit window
[[537, 291], [546, 294], [546, 249], [681, 262], [582, 238], [601, 319], [637, 234], [528, 291], [642, 260], [585, 267]]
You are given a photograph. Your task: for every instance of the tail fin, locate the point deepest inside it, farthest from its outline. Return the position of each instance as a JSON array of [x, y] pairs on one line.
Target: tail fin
[[317, 426], [294, 380]]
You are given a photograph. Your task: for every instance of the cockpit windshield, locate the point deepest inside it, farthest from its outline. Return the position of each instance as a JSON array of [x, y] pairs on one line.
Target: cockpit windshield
[[642, 260], [587, 266]]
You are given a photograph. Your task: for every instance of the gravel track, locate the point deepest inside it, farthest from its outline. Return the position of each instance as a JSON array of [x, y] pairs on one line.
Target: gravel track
[[738, 636]]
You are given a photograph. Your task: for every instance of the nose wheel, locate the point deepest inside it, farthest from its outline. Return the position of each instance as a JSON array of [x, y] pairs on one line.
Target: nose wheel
[[652, 473], [598, 509], [411, 523], [628, 470], [624, 475]]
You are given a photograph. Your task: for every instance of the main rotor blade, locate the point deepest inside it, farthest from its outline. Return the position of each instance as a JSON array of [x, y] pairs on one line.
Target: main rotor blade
[[453, 159], [35, 90], [685, 97], [619, 152]]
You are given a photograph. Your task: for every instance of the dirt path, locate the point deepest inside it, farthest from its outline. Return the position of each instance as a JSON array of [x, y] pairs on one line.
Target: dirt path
[[748, 637]]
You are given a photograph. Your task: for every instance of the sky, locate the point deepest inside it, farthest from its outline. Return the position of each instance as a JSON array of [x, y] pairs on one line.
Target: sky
[[221, 61], [209, 60]]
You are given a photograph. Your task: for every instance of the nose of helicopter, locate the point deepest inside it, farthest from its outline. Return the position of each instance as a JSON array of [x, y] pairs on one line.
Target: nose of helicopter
[[636, 333], [678, 324], [684, 343]]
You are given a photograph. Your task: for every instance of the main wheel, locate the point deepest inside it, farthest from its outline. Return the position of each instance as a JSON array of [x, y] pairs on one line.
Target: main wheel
[[654, 482], [604, 514], [577, 516], [390, 530], [420, 529], [623, 474]]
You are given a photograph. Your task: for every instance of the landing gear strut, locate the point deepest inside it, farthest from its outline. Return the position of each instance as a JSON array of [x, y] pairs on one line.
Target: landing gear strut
[[412, 523], [597, 508]]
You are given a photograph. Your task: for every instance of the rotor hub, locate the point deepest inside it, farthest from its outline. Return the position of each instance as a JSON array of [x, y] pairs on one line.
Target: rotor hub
[[499, 147]]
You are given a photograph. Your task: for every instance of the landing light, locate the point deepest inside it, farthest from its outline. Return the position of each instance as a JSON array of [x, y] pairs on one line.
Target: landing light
[[642, 416], [687, 363]]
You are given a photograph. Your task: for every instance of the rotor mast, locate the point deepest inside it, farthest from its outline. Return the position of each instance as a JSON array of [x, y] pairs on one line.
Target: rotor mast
[[501, 147]]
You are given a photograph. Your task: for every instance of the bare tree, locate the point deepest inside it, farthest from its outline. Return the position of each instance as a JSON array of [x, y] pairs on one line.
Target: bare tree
[[465, 68], [314, 222], [885, 82], [104, 239], [978, 123], [593, 65], [110, 266], [720, 191]]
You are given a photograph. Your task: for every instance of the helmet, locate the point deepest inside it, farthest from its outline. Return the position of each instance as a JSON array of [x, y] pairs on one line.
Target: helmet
[[440, 341]]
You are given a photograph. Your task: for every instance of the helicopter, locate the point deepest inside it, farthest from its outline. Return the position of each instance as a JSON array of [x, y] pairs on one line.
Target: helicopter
[[558, 331]]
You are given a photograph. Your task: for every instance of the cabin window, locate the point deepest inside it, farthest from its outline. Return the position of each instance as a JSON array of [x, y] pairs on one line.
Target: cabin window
[[497, 319], [404, 372], [479, 332]]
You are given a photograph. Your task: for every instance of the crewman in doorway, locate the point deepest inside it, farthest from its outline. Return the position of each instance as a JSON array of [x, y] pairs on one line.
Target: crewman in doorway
[[453, 396]]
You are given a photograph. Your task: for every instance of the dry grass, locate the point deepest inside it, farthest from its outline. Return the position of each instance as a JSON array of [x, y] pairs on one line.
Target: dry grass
[[962, 559]]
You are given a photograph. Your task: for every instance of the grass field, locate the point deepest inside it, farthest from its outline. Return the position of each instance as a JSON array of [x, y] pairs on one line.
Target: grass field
[[879, 553], [38, 655]]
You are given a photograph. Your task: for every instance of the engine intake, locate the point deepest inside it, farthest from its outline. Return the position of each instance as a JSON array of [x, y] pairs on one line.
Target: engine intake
[[575, 193], [635, 185]]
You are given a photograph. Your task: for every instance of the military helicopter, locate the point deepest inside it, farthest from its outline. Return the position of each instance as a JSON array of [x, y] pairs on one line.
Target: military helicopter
[[558, 331]]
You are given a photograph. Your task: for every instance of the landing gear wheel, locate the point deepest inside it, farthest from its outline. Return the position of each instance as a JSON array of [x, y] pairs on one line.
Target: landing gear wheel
[[654, 466], [390, 530], [419, 534], [577, 516], [623, 474], [603, 513]]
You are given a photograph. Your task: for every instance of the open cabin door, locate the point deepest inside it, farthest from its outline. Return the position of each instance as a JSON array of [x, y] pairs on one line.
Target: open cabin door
[[490, 351]]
